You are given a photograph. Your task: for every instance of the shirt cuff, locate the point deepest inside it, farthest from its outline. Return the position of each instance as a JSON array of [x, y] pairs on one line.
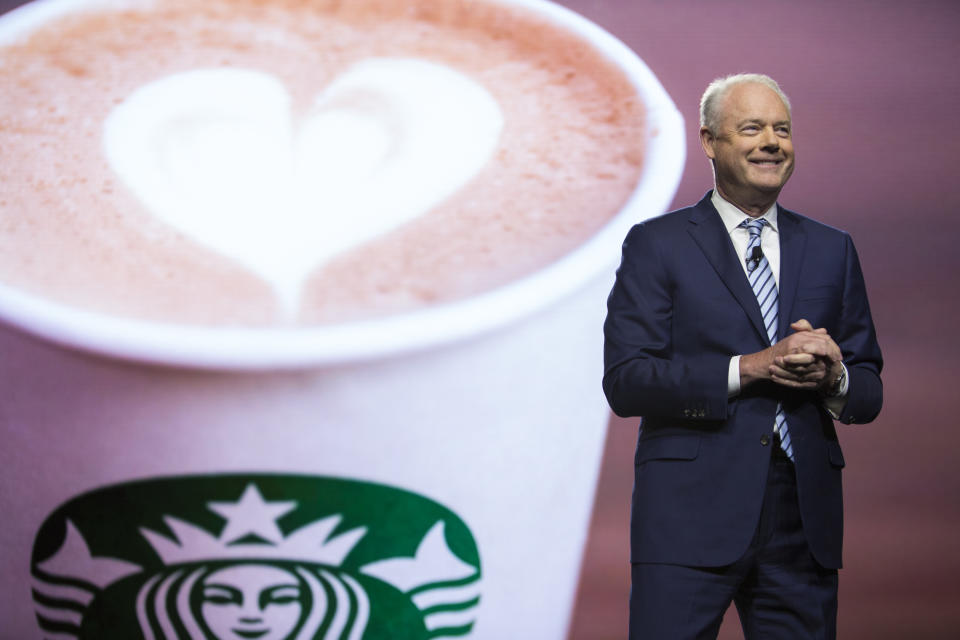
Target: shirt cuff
[[733, 377]]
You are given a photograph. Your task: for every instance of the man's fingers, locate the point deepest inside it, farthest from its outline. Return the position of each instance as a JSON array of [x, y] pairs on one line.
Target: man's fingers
[[794, 384], [816, 348], [780, 372], [813, 342], [805, 374], [804, 325], [827, 349]]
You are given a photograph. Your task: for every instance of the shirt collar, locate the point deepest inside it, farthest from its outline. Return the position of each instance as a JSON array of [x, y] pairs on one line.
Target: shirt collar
[[732, 216]]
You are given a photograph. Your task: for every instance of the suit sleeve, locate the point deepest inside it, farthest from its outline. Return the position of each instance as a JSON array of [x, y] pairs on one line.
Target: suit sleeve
[[857, 339], [645, 374]]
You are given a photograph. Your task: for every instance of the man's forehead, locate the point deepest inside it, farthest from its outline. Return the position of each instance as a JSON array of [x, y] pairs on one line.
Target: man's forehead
[[748, 101]]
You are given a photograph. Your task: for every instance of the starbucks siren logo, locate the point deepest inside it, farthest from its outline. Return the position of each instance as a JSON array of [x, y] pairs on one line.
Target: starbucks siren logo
[[212, 558]]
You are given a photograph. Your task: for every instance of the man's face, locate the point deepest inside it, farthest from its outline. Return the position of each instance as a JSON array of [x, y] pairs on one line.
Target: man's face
[[752, 149]]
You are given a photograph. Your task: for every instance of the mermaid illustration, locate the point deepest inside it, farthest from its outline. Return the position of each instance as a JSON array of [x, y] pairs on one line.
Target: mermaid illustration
[[253, 582], [252, 601]]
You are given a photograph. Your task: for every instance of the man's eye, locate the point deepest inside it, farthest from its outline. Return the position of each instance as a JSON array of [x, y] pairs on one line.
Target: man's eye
[[783, 132], [749, 129]]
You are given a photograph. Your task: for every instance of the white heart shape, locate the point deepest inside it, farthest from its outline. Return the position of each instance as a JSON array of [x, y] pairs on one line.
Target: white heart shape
[[215, 153]]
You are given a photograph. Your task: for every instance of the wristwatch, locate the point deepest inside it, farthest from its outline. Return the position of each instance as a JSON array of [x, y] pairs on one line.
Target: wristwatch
[[833, 390]]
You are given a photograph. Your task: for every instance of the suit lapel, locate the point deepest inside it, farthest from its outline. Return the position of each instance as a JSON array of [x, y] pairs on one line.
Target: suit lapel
[[792, 243], [709, 233]]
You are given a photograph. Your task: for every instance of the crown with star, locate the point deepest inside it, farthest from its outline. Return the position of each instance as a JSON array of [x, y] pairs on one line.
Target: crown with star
[[251, 533]]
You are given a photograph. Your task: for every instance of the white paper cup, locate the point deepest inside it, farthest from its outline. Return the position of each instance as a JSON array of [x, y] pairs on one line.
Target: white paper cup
[[459, 444]]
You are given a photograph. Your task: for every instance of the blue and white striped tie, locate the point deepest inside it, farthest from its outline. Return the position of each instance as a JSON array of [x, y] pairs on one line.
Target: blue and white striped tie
[[765, 288]]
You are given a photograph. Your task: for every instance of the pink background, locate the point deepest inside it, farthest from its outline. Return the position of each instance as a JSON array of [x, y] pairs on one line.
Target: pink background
[[875, 95]]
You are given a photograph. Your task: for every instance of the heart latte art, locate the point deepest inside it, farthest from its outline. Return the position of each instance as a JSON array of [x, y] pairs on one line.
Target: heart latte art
[[297, 162], [217, 155]]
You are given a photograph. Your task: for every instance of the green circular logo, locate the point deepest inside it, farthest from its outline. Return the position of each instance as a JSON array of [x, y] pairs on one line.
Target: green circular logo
[[254, 557]]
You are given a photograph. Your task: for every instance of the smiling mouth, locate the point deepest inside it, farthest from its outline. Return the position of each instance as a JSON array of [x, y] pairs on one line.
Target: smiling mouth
[[250, 633], [767, 163]]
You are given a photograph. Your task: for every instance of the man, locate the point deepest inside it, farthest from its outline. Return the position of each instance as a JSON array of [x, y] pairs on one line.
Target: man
[[739, 330]]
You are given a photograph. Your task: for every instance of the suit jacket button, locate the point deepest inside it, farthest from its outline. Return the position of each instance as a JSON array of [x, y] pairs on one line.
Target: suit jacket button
[[765, 439]]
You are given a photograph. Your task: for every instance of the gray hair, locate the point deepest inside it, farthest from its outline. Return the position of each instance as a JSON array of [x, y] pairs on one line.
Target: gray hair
[[716, 90]]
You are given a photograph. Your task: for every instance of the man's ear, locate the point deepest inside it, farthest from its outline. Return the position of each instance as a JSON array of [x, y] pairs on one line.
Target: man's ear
[[706, 141]]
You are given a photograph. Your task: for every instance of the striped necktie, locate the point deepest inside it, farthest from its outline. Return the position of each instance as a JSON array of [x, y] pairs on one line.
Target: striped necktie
[[765, 288]]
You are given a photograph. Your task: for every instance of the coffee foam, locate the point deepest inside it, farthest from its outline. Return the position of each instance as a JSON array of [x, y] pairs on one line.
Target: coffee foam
[[215, 154], [568, 157]]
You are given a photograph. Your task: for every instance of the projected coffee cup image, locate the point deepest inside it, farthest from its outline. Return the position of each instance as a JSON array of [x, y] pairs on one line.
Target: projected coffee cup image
[[300, 312]]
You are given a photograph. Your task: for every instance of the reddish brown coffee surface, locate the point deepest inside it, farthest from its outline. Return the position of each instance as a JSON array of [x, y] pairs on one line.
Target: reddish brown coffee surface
[[570, 154]]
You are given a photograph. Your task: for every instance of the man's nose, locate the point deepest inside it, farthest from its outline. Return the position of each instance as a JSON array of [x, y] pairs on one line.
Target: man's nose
[[769, 139]]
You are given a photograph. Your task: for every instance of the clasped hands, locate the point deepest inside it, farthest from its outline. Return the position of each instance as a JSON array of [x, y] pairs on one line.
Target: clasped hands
[[806, 359]]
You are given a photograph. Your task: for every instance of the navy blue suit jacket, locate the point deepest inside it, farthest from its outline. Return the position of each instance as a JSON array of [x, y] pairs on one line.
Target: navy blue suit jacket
[[680, 308]]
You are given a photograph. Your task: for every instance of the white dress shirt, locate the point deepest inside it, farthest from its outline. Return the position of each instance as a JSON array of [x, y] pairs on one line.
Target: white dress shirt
[[770, 245]]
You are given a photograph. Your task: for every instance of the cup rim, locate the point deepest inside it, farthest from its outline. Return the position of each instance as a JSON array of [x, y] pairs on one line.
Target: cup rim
[[264, 348]]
